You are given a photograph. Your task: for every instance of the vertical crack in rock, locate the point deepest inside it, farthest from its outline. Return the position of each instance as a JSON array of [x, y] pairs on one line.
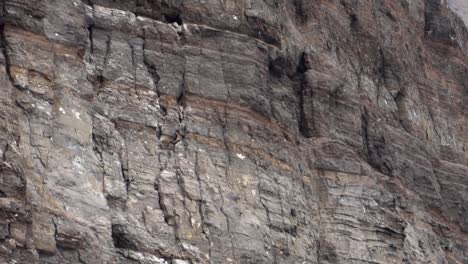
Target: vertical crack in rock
[[100, 77], [267, 212], [108, 50], [182, 89], [300, 11], [126, 178], [55, 229], [382, 75], [305, 94], [181, 107], [204, 227], [91, 39], [286, 230], [228, 222], [90, 28], [97, 149], [365, 133], [178, 220], [151, 68], [326, 252], [354, 22], [183, 191], [134, 67], [224, 123], [168, 218]]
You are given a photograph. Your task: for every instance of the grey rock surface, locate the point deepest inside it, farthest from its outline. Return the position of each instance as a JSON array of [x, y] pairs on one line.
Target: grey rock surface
[[461, 8], [236, 131]]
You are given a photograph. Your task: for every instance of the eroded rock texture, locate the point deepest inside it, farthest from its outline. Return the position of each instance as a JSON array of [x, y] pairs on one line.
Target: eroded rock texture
[[235, 131]]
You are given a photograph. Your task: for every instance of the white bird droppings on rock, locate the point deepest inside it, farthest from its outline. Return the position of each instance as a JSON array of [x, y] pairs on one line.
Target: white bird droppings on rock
[[240, 156], [179, 261], [62, 111], [76, 113]]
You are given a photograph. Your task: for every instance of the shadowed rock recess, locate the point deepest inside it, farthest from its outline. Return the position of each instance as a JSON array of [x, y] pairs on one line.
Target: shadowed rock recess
[[235, 131]]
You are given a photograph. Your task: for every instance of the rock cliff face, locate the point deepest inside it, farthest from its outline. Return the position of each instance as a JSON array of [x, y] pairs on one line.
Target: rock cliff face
[[235, 131]]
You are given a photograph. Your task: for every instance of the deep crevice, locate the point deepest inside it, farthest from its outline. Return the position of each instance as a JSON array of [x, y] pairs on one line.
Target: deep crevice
[[354, 22], [173, 18], [126, 179], [182, 89], [90, 29], [305, 97], [365, 132], [300, 11], [120, 238]]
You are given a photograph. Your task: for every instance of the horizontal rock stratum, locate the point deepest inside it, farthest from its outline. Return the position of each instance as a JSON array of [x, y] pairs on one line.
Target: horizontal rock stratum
[[235, 131]]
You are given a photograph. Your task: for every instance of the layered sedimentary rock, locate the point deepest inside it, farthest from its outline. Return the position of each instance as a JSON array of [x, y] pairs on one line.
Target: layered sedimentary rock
[[266, 131]]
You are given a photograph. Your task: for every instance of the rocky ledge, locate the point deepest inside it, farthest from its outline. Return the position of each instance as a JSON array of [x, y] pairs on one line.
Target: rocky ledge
[[236, 131]]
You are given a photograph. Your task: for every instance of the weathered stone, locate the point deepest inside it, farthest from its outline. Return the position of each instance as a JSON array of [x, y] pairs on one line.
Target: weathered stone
[[18, 233], [301, 131]]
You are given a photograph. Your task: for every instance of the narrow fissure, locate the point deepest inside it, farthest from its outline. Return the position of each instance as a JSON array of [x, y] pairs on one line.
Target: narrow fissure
[[305, 98], [365, 133], [200, 208], [228, 222]]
